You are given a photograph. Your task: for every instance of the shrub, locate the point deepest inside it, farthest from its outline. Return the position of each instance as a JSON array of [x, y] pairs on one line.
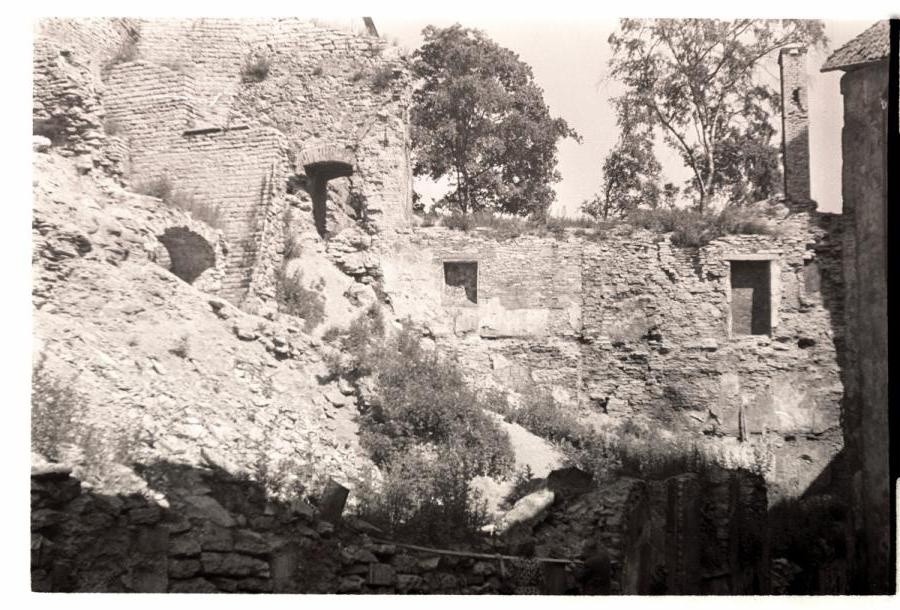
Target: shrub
[[160, 187], [293, 248], [163, 187], [256, 68], [55, 410], [295, 299], [358, 342], [319, 70], [424, 398], [690, 228], [424, 498], [524, 483], [542, 416], [381, 78], [289, 478], [458, 222]]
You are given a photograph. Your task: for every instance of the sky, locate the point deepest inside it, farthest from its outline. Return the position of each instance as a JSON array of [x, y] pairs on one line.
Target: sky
[[569, 60]]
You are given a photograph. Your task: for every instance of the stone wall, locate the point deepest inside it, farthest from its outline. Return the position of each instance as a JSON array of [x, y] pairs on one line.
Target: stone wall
[[69, 57], [864, 177], [633, 328], [191, 529], [183, 106], [188, 529], [660, 346]]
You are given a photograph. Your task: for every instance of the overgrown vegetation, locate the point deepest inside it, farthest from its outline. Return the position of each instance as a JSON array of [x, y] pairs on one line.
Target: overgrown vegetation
[[295, 299], [630, 449], [55, 409], [288, 478], [256, 68], [691, 228], [381, 78], [426, 429], [688, 228], [59, 430], [163, 187]]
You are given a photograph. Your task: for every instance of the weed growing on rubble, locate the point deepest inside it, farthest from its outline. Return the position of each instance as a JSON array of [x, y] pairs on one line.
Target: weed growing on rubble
[[59, 430], [256, 68], [381, 78], [182, 347], [295, 299], [55, 409], [163, 187]]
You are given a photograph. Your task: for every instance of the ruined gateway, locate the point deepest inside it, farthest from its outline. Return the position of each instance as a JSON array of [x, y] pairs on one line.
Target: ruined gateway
[[740, 344]]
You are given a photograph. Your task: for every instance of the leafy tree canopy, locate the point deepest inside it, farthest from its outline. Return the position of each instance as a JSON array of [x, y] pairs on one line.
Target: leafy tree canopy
[[479, 119], [631, 177], [697, 82]]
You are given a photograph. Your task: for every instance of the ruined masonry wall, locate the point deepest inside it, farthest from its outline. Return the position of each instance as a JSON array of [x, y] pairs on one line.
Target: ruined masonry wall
[[660, 350], [632, 328], [328, 95], [69, 56]]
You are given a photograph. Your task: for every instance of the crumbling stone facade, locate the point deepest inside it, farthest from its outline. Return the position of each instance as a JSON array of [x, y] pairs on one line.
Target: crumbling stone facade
[[186, 108], [633, 328]]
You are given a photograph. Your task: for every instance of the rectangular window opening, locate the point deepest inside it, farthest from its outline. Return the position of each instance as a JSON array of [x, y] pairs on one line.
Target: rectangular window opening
[[751, 298], [461, 283]]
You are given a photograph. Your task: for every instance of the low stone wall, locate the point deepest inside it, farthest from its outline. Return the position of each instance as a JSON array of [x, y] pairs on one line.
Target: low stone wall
[[193, 530]]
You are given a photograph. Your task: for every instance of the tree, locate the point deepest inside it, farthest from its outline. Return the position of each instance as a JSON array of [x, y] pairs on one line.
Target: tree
[[630, 178], [479, 119], [697, 81]]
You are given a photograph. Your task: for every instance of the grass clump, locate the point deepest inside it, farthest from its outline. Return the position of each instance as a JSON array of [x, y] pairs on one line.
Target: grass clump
[[295, 299], [256, 68], [690, 228], [163, 187], [381, 78], [56, 408], [59, 431]]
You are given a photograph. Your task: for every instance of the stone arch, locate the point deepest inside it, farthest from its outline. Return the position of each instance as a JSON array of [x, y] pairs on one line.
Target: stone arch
[[320, 164], [190, 254]]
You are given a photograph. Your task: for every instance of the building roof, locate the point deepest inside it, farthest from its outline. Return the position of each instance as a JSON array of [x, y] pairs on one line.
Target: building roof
[[871, 46]]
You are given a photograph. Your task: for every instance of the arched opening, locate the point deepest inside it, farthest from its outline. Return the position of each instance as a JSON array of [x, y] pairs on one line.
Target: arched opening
[[318, 174], [189, 253]]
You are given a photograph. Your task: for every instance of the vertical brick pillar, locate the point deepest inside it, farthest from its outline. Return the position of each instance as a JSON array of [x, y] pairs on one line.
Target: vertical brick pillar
[[794, 123]]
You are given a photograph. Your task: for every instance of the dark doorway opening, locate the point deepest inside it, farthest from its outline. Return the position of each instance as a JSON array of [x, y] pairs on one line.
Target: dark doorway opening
[[318, 174]]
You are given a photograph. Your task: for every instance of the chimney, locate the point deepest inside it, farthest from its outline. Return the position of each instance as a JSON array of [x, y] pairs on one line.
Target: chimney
[[370, 27], [794, 123]]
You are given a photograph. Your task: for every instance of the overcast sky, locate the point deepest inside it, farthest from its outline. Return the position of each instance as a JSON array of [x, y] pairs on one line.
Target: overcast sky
[[569, 59]]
